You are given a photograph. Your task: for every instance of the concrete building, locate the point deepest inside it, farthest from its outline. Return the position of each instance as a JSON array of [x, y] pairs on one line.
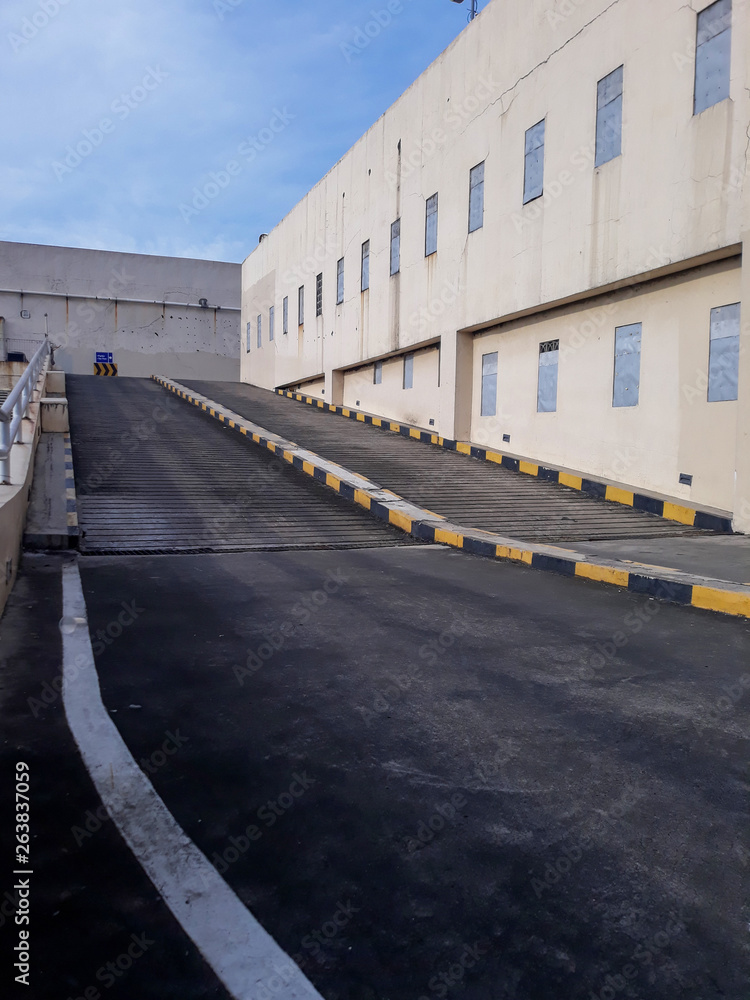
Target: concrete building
[[153, 315], [539, 247]]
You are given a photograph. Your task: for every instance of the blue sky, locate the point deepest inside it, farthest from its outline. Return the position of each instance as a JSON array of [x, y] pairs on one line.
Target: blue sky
[[116, 115]]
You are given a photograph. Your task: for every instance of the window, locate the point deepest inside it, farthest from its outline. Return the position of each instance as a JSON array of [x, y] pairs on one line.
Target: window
[[430, 228], [396, 247], [609, 117], [627, 365], [546, 392], [248, 337], [377, 373], [489, 385], [533, 177], [408, 371], [260, 331], [724, 353], [476, 197], [340, 282], [712, 55], [365, 282], [271, 313], [301, 305], [285, 315], [318, 296]]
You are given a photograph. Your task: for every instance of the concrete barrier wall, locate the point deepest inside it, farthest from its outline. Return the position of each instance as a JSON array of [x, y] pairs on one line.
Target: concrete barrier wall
[[146, 311]]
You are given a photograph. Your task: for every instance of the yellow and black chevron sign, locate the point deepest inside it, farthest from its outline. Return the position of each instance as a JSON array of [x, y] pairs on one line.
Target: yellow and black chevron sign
[[104, 368]]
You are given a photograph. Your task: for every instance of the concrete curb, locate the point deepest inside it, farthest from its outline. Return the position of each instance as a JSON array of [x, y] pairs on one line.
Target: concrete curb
[[71, 500], [692, 516], [59, 538], [654, 581]]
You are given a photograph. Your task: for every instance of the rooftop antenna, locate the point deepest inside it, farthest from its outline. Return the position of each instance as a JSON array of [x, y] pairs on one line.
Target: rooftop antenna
[[473, 12]]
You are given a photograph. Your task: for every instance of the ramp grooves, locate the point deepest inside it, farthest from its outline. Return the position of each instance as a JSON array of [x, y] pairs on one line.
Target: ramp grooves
[[465, 490], [156, 476]]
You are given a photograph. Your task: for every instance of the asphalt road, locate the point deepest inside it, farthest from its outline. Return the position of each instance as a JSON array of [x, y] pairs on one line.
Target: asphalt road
[[452, 777], [92, 907]]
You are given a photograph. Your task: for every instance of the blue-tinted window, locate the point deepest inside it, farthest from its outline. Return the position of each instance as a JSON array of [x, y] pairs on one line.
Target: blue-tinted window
[[340, 282], [271, 314], [396, 247], [408, 371], [533, 174], [609, 117], [627, 365], [365, 275], [431, 226], [546, 394], [713, 55], [476, 197], [724, 353], [489, 385]]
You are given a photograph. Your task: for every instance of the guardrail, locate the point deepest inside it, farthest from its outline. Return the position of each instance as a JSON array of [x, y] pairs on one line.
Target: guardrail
[[14, 409]]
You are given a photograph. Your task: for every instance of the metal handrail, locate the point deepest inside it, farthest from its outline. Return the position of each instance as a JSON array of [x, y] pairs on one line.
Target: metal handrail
[[14, 409]]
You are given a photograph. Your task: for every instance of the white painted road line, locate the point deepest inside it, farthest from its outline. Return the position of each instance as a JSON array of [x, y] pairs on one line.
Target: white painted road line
[[242, 954]]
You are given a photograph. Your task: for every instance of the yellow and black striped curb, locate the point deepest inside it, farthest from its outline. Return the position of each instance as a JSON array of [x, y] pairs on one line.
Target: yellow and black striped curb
[[575, 481], [652, 581], [71, 503]]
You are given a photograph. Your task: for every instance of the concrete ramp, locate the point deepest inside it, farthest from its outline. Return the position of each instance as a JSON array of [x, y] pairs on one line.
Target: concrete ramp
[[464, 490], [155, 476]]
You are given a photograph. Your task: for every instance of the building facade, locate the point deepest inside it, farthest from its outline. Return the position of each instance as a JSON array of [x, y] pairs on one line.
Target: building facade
[[539, 248], [146, 312]]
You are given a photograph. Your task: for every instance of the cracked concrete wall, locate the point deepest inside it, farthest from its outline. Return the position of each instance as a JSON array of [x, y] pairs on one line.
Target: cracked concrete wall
[[675, 197], [87, 295]]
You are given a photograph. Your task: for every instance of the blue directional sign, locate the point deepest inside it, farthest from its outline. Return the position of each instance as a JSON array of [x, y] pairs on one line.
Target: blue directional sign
[[104, 357]]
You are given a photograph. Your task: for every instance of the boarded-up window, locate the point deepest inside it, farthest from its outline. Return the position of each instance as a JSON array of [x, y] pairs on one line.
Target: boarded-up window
[[724, 353], [408, 371], [377, 373], [396, 247], [318, 295], [301, 305], [476, 197], [627, 365], [365, 283], [248, 336], [609, 117], [430, 228], [546, 393], [533, 176], [712, 55], [340, 282], [260, 331], [285, 315], [271, 317], [489, 385]]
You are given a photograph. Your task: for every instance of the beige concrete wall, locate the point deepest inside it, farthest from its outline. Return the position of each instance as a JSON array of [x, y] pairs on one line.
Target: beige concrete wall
[[315, 388], [676, 194], [672, 430], [389, 396], [87, 301]]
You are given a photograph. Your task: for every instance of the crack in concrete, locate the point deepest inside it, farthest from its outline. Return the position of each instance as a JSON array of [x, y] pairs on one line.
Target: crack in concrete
[[553, 53]]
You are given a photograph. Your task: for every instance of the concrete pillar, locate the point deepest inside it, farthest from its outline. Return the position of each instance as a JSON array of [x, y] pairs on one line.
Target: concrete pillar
[[335, 388], [741, 520], [464, 368], [742, 460]]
